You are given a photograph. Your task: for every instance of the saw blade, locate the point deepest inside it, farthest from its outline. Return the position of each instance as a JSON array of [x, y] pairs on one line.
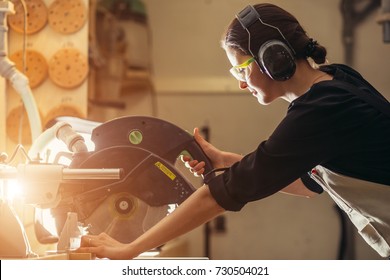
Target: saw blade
[[124, 217]]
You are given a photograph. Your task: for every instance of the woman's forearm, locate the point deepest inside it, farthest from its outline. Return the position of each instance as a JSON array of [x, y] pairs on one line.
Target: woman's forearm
[[199, 208], [231, 158]]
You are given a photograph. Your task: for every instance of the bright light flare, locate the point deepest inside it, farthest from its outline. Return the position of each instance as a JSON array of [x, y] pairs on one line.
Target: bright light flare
[[10, 189]]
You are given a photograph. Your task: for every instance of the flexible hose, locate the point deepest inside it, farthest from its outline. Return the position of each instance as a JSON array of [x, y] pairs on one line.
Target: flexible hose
[[18, 80]]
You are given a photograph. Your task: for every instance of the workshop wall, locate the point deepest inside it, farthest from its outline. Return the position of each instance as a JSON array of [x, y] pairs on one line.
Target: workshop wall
[[194, 88], [53, 53]]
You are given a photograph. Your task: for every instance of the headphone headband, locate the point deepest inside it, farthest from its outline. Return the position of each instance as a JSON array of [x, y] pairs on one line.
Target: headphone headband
[[275, 57], [249, 16]]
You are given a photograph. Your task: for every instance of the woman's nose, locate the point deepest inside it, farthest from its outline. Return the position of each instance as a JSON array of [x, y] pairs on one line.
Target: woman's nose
[[242, 85]]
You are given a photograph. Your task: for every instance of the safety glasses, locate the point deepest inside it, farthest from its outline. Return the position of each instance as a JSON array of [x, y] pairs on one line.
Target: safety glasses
[[238, 71]]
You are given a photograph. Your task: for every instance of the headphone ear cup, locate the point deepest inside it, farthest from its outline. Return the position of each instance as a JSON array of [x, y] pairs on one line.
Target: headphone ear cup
[[277, 60]]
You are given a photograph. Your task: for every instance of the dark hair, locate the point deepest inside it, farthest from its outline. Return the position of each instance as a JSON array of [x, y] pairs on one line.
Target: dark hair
[[236, 37]]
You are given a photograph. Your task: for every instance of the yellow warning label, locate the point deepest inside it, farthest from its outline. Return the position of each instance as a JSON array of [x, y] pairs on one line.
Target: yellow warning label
[[165, 169]]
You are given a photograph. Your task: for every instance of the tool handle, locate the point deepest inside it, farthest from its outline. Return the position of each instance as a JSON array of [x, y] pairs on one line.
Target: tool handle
[[196, 152]]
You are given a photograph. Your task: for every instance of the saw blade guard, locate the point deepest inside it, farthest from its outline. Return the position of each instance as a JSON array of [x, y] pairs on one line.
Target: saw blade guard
[[155, 135]]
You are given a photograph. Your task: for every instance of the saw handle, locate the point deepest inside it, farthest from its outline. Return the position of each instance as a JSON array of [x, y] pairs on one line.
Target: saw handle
[[196, 152]]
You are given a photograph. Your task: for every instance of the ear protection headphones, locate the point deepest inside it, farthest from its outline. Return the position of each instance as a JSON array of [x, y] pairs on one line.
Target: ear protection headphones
[[276, 58]]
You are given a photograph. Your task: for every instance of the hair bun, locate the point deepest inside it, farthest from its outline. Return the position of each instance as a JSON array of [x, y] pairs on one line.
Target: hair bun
[[311, 47]]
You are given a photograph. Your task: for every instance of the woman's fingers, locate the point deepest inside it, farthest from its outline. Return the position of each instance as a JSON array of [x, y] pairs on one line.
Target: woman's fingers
[[190, 163], [97, 240], [86, 241], [198, 166], [198, 137], [199, 172], [194, 166]]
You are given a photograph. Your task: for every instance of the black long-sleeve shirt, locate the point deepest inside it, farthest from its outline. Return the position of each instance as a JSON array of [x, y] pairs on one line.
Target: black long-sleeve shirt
[[327, 126]]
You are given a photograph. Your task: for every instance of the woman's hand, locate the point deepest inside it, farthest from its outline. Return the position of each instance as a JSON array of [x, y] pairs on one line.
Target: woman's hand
[[104, 246], [218, 158], [215, 156]]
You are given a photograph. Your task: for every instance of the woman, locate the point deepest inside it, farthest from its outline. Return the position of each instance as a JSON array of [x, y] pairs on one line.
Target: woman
[[334, 137]]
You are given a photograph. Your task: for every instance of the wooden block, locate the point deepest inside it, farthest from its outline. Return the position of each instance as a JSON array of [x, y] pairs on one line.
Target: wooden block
[[80, 256]]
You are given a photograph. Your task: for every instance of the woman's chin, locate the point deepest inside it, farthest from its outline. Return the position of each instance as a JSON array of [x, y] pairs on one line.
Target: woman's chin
[[261, 100]]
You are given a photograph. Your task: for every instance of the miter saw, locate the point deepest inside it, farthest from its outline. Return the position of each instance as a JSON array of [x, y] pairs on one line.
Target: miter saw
[[151, 184], [146, 149]]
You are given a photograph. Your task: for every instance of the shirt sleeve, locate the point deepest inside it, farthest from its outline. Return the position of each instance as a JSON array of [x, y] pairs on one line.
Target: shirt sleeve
[[221, 194], [258, 175]]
